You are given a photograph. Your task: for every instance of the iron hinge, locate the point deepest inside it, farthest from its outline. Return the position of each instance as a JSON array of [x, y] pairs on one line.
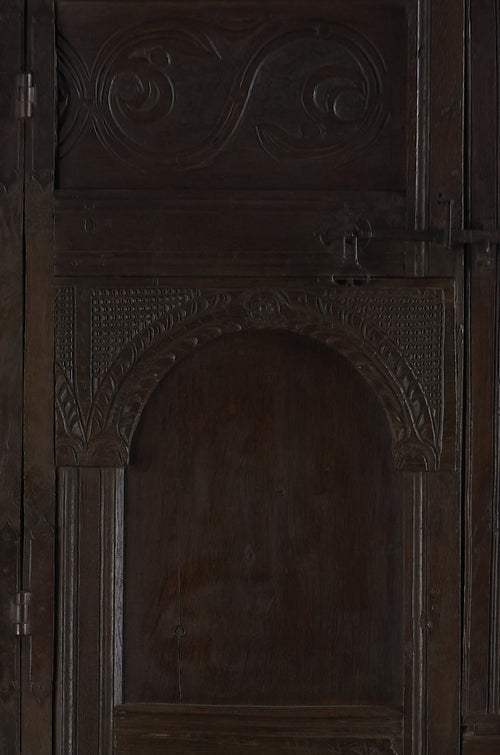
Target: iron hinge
[[22, 613], [25, 95]]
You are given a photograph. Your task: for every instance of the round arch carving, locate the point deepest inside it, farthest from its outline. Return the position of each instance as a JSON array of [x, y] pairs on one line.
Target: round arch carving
[[344, 320]]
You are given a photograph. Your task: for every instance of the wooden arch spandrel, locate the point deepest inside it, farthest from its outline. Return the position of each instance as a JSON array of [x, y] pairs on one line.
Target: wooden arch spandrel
[[396, 337]]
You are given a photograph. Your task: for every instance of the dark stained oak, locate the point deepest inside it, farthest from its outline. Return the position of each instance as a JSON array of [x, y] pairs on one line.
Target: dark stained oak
[[255, 96], [39, 571], [258, 458], [11, 378], [481, 616], [290, 446], [263, 531], [481, 746], [210, 730], [481, 734]]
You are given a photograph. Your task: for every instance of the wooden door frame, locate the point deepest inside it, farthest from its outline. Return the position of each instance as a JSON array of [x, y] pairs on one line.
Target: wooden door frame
[[480, 707], [11, 374], [481, 670]]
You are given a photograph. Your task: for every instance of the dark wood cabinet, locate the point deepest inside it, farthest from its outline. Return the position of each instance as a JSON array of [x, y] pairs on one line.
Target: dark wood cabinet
[[249, 377]]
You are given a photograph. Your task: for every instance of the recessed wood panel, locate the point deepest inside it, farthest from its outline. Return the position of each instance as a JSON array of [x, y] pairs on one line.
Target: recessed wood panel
[[263, 533], [261, 95]]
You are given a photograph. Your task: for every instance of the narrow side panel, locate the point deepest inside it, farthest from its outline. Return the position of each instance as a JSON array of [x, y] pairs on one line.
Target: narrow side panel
[[89, 673], [39, 470], [11, 365]]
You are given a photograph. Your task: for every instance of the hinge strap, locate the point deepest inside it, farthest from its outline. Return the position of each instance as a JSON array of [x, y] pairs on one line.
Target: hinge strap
[[440, 237], [22, 622], [25, 95]]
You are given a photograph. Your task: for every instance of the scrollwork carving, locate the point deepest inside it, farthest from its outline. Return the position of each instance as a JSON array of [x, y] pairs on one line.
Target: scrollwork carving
[[138, 94], [74, 110], [394, 338], [343, 102]]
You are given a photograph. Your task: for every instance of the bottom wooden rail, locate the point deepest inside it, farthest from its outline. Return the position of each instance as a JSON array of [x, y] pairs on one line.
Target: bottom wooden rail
[[228, 730]]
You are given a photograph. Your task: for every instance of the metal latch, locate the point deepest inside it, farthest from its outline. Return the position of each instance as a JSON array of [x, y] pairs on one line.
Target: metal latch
[[349, 271], [448, 236], [25, 95], [21, 610], [437, 236]]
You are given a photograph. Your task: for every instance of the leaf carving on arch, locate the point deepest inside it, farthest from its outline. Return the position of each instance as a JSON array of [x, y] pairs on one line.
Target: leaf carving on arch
[[393, 337]]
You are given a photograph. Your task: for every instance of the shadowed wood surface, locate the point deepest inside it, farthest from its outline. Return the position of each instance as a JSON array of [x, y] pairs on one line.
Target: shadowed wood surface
[[263, 558], [11, 379], [198, 729], [280, 568]]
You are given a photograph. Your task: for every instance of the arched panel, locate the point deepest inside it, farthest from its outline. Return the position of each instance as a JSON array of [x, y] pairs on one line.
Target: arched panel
[[395, 338], [263, 533]]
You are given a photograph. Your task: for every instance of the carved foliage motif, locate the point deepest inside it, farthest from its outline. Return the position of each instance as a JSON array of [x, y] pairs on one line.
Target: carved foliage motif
[[119, 316], [142, 96], [394, 338]]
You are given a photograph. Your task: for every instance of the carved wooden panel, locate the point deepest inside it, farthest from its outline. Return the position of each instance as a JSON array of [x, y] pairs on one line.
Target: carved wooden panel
[[264, 534], [264, 95], [211, 155], [115, 345]]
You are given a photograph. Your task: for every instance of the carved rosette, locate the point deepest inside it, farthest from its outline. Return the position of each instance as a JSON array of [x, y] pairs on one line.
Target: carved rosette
[[394, 338]]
